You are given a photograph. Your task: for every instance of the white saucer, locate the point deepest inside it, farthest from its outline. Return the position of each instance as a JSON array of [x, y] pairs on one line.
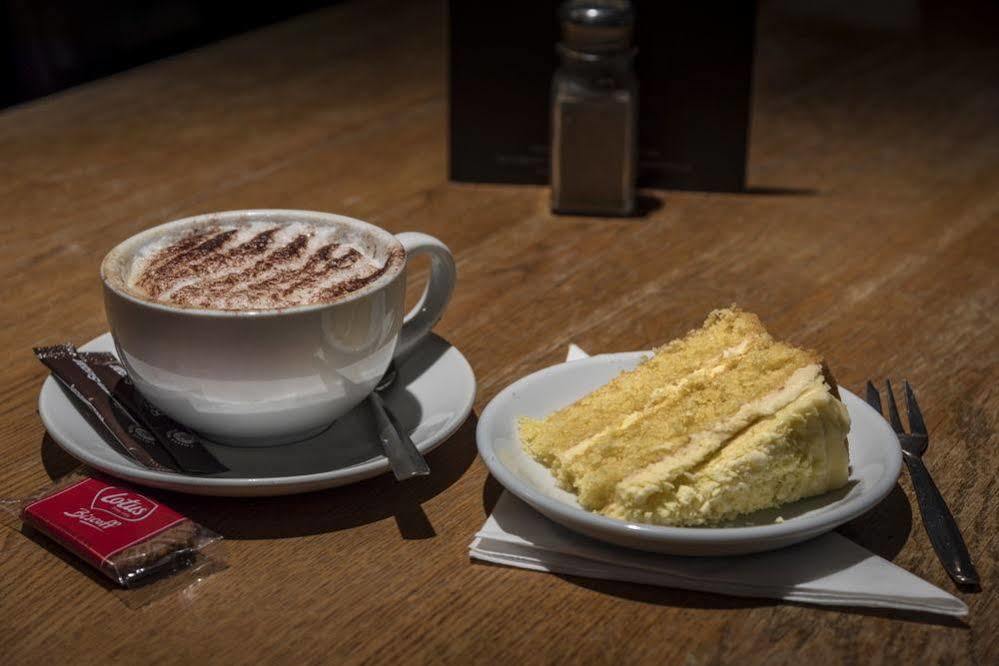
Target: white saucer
[[431, 398], [875, 462]]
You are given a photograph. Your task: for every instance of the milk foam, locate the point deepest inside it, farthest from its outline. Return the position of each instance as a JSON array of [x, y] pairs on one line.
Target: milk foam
[[250, 266]]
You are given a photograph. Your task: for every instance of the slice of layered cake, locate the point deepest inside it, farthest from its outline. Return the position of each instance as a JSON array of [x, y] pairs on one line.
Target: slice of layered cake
[[722, 422]]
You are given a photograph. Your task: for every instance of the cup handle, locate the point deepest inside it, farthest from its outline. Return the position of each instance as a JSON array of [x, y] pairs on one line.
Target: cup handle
[[430, 308]]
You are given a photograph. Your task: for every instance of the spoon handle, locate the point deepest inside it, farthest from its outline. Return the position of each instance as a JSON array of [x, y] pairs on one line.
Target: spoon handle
[[940, 524], [405, 459]]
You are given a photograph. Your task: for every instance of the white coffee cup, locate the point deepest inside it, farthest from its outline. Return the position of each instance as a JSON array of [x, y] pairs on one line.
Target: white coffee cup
[[265, 377]]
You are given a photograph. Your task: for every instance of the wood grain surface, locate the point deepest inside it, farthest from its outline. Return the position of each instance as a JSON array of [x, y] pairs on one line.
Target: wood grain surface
[[870, 231]]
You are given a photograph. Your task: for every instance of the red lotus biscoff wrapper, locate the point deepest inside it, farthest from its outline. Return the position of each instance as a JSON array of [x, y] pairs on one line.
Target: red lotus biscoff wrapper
[[129, 537]]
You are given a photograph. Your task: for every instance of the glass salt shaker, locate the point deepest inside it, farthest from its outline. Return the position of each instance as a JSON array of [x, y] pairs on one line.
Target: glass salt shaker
[[594, 131]]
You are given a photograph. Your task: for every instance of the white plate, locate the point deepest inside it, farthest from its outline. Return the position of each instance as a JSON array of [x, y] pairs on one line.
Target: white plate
[[875, 462], [431, 398]]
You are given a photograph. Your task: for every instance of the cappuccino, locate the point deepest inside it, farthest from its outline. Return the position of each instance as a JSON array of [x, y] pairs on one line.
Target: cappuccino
[[260, 327], [253, 266]]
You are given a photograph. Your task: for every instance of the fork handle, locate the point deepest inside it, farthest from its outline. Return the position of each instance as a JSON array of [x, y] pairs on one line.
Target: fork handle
[[940, 524]]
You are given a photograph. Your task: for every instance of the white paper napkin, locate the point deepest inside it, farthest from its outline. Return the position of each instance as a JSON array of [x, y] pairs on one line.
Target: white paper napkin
[[828, 570]]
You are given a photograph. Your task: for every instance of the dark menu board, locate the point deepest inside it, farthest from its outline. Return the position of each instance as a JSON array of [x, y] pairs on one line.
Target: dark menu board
[[694, 65]]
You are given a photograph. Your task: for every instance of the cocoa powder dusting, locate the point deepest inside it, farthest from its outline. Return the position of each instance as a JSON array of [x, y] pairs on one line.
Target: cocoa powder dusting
[[212, 269]]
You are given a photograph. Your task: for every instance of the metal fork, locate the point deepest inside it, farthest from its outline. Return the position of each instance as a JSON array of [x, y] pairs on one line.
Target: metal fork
[[937, 519]]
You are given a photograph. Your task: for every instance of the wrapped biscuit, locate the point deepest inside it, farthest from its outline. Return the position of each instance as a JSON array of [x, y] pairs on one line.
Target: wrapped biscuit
[[128, 536]]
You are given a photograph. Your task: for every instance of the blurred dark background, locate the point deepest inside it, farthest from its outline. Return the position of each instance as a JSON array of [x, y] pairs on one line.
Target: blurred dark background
[[49, 45]]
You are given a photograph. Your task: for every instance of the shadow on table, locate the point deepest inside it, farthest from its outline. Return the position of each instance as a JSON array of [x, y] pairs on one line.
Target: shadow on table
[[339, 508], [885, 529], [646, 203], [781, 191], [491, 491], [57, 463], [69, 558]]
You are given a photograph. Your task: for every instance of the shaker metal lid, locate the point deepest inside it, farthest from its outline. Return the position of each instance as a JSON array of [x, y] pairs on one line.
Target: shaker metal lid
[[596, 26]]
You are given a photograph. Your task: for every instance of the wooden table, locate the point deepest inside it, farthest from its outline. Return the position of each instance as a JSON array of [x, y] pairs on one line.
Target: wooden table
[[882, 253]]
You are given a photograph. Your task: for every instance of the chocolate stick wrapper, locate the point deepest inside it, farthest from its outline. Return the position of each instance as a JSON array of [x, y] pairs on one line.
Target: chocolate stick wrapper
[[80, 380], [185, 446]]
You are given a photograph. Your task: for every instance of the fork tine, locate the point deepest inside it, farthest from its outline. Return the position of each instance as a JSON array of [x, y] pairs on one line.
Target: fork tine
[[896, 422], [916, 424], [873, 397]]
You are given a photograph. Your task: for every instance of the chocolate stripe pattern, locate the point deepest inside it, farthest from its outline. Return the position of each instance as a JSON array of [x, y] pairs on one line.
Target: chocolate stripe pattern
[[253, 266]]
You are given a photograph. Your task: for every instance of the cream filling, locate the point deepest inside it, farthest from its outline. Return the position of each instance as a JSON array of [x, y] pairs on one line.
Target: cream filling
[[838, 452], [637, 487], [796, 452], [718, 365]]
